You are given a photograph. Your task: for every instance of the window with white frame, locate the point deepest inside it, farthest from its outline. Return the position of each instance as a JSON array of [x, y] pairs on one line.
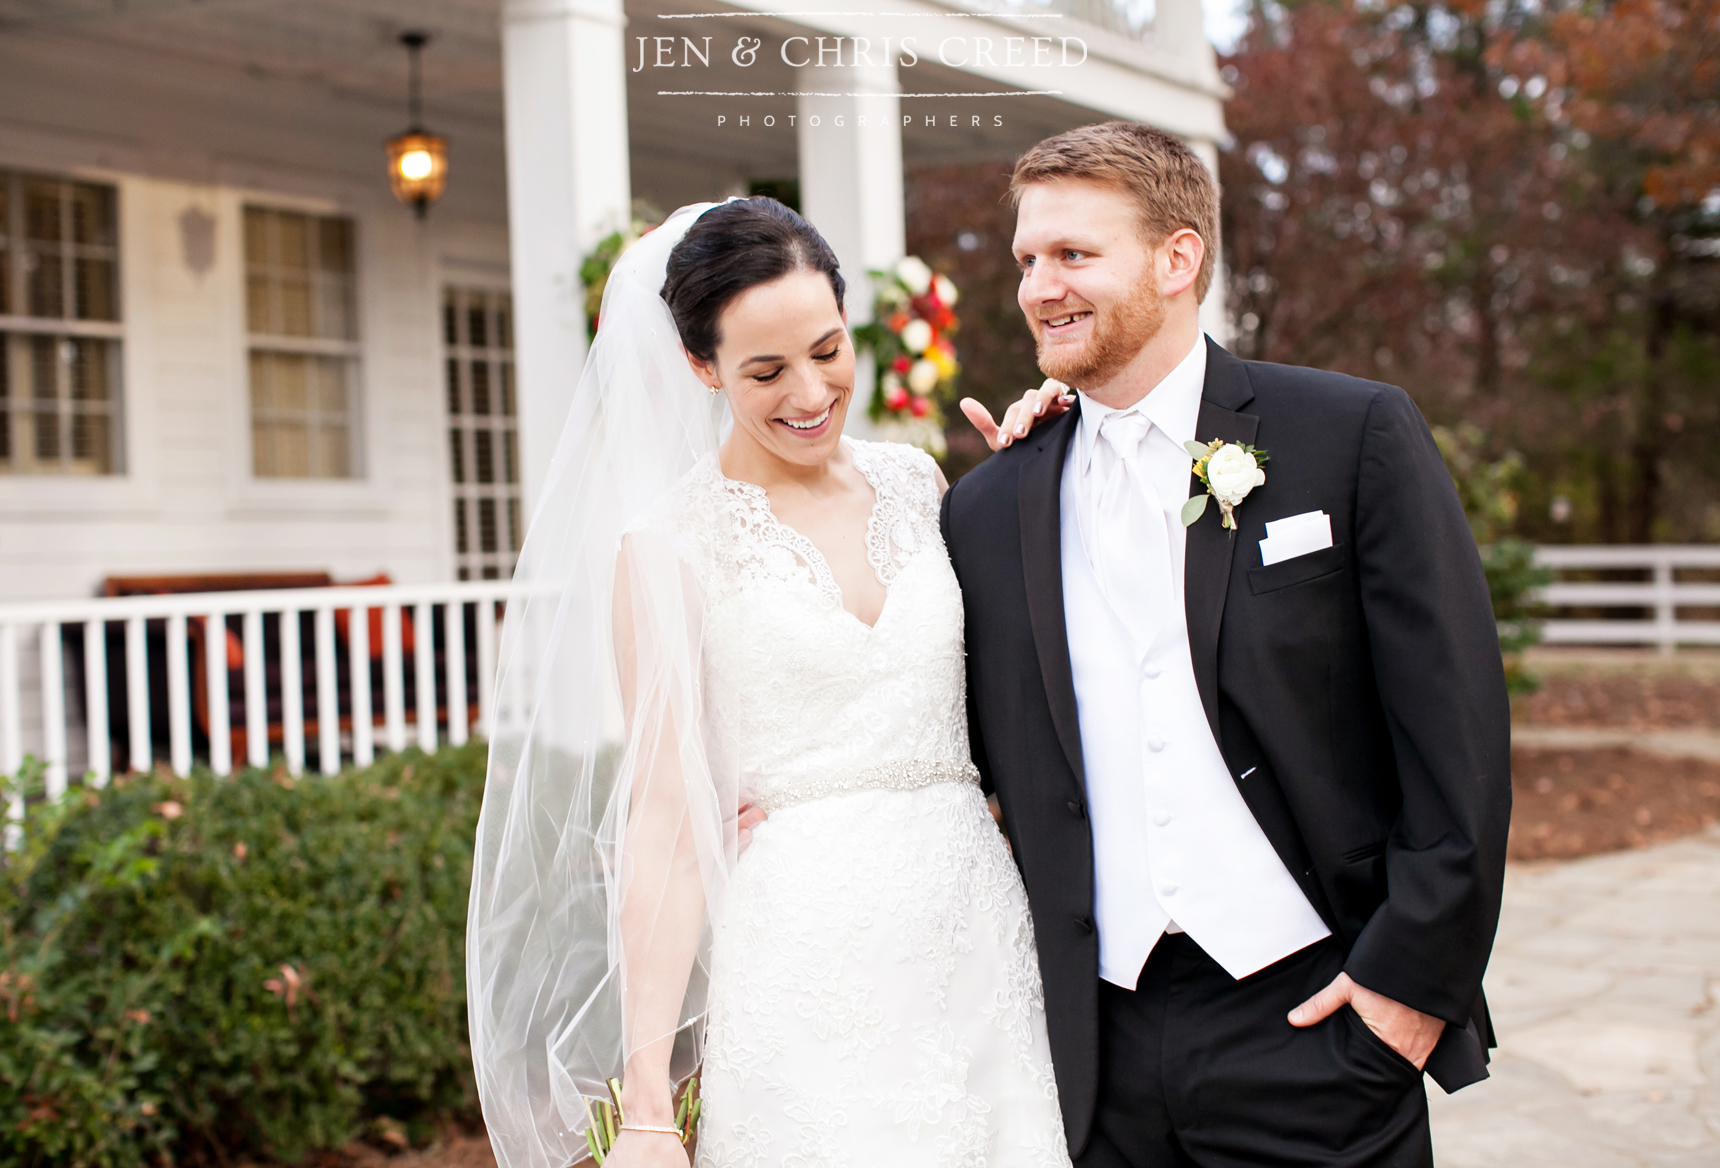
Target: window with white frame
[[301, 312], [483, 433], [60, 327]]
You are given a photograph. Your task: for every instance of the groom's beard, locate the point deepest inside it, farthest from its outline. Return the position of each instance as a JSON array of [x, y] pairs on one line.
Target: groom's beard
[[1119, 333]]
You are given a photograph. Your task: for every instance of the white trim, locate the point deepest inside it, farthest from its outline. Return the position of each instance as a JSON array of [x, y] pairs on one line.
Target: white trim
[[103, 329]]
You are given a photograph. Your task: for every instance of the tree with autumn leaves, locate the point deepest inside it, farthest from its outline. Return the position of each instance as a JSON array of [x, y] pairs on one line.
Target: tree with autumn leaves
[[1512, 210]]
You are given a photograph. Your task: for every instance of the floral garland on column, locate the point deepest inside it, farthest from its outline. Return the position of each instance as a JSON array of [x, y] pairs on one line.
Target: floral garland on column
[[595, 267], [909, 336]]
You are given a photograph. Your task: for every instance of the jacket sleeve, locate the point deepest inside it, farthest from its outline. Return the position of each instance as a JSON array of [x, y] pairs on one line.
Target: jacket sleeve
[[976, 743], [1435, 653]]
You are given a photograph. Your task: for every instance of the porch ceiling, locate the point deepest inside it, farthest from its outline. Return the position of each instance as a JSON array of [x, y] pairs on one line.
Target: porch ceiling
[[681, 154], [351, 47], [349, 51]]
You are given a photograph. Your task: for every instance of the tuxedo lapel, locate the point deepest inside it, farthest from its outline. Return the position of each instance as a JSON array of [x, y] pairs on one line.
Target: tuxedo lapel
[[1206, 570], [1038, 492]]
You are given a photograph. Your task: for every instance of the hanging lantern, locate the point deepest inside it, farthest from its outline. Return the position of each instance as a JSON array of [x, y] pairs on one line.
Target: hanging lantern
[[417, 159], [418, 168]]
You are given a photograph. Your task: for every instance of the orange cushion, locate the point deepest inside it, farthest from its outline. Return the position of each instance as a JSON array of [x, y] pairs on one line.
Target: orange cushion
[[342, 616]]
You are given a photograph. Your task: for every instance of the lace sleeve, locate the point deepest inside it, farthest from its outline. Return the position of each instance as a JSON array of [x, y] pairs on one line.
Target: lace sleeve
[[905, 520]]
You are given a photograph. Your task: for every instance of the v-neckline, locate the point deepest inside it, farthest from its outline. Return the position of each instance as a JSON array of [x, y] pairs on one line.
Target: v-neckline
[[812, 553]]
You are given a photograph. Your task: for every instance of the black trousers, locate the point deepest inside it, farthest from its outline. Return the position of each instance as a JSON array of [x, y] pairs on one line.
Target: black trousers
[[1199, 1069]]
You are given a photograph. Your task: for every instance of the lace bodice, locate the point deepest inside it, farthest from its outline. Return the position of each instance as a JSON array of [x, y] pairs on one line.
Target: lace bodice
[[800, 696], [874, 997]]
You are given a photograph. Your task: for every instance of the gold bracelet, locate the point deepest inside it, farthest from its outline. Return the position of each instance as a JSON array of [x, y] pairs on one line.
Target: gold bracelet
[[645, 1127]]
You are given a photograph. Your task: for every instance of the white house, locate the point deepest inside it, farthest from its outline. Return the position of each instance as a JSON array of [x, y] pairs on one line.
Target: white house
[[228, 349]]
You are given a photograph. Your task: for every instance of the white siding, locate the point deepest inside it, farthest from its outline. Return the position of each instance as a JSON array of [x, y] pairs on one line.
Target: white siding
[[202, 141]]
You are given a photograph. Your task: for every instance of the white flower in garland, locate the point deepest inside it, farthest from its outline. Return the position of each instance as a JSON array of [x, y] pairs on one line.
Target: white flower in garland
[[915, 273], [923, 376]]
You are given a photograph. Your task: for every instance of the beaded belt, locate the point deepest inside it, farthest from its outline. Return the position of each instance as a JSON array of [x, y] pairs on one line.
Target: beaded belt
[[890, 776]]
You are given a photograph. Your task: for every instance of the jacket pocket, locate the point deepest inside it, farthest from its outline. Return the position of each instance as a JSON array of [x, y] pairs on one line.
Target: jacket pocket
[[1365, 852], [1298, 570]]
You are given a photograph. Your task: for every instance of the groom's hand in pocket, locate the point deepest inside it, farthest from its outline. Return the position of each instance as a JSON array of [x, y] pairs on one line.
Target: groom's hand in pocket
[[1403, 1028], [1036, 406]]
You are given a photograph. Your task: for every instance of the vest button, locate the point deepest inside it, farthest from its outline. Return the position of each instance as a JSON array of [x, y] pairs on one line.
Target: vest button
[[1085, 924], [1150, 672], [1076, 809], [1155, 743], [1160, 818]]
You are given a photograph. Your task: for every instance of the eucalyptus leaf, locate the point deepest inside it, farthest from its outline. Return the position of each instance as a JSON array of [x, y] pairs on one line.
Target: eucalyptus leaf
[[1196, 450], [1194, 509]]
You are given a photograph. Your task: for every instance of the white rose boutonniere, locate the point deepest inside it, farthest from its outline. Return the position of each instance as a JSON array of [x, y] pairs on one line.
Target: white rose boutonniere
[[1230, 471]]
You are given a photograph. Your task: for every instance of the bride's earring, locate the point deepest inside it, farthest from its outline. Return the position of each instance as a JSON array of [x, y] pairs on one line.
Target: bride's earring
[[715, 390]]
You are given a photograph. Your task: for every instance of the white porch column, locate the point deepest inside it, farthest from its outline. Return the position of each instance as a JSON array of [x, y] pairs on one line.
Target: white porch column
[[851, 185], [1214, 319], [565, 87]]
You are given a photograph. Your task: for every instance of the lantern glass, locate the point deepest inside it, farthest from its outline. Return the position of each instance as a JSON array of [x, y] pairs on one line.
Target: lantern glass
[[418, 167]]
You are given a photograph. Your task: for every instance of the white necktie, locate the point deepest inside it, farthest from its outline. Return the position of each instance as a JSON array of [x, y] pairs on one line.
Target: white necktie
[[1131, 549]]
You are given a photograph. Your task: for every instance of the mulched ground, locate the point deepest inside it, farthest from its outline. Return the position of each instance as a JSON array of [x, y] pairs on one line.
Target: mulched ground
[[1579, 802], [1568, 803], [1648, 697], [455, 1147]]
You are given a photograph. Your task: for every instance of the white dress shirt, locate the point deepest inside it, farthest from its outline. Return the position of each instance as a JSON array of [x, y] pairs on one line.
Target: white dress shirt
[[1174, 843]]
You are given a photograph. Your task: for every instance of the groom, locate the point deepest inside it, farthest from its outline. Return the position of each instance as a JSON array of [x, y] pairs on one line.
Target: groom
[[1257, 780]]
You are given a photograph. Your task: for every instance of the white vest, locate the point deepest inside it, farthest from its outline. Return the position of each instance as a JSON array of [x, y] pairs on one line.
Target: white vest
[[1172, 838]]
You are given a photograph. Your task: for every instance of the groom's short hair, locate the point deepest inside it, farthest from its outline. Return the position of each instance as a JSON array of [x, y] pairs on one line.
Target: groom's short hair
[[1172, 187]]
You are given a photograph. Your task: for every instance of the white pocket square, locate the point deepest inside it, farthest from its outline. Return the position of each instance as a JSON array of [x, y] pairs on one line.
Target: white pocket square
[[1295, 536]]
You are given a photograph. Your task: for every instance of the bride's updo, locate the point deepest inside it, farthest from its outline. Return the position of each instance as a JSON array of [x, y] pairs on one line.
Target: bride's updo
[[732, 247]]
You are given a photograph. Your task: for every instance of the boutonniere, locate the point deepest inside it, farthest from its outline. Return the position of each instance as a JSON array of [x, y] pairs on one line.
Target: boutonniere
[[1230, 471]]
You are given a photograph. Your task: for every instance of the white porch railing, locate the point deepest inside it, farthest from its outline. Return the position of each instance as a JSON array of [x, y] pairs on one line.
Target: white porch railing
[[241, 676], [1660, 597], [290, 672]]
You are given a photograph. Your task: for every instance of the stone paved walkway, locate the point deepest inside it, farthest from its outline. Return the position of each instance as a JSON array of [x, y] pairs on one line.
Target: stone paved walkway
[[1605, 988]]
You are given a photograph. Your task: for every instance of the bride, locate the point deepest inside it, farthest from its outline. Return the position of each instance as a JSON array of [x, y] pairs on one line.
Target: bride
[[724, 602]]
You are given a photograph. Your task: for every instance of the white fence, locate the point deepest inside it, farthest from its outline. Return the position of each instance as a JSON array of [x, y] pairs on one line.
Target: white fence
[[334, 672], [326, 671], [1659, 597]]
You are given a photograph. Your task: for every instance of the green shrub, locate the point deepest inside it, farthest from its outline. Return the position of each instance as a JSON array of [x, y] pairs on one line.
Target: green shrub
[[208, 970], [1488, 492]]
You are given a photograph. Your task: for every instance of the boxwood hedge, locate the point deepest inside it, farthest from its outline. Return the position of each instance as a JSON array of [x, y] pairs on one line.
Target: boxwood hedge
[[208, 971]]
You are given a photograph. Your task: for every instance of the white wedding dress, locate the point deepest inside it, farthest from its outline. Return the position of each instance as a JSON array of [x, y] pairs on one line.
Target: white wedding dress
[[874, 994]]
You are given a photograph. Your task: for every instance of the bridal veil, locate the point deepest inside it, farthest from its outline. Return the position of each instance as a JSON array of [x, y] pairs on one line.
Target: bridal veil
[[605, 839]]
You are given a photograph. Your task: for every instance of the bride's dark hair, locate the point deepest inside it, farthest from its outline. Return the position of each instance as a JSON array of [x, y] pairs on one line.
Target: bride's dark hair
[[731, 248]]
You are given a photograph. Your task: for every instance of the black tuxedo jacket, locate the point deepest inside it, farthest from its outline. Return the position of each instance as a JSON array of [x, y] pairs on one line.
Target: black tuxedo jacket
[[1361, 685]]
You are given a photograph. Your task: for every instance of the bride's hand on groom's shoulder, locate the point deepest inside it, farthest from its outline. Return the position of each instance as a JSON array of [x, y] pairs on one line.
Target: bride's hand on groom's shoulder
[[1036, 406]]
